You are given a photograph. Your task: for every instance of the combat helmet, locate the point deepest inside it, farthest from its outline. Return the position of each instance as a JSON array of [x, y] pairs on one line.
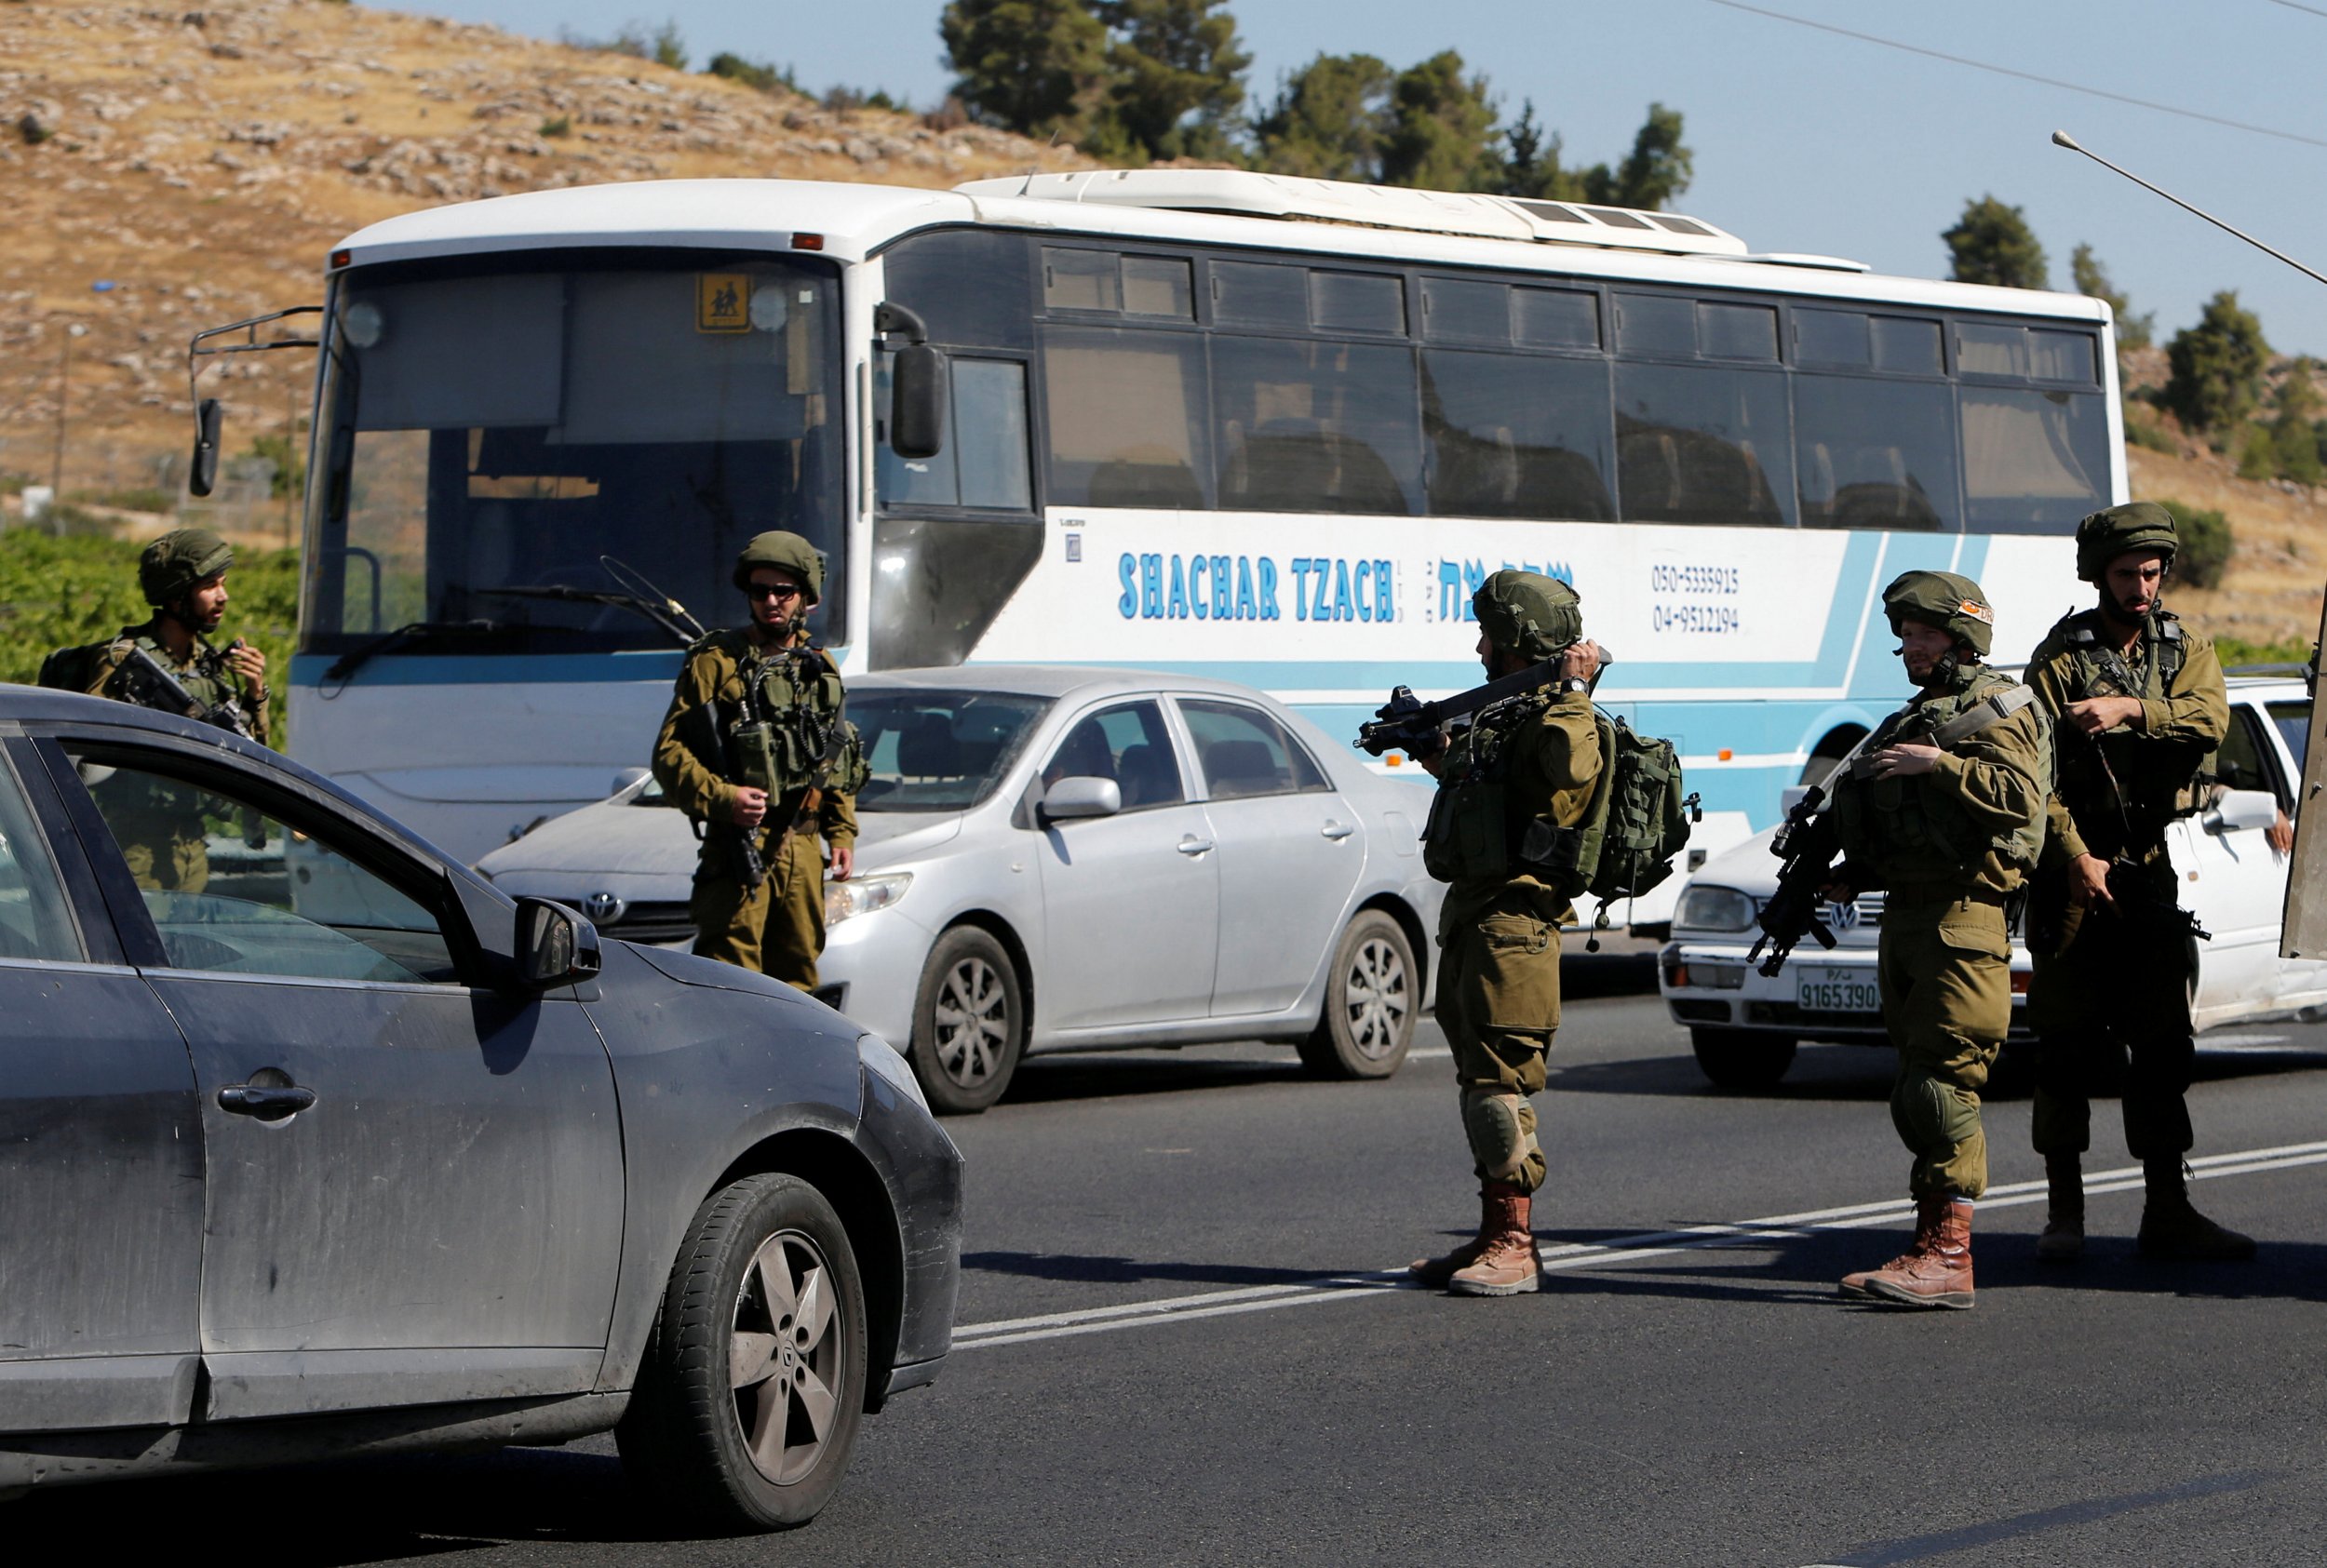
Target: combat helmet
[[1948, 600], [785, 552], [2118, 531], [171, 567], [1527, 613]]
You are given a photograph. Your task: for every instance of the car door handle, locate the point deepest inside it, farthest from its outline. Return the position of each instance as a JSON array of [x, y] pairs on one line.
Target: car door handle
[[1192, 845], [268, 1102], [1337, 830]]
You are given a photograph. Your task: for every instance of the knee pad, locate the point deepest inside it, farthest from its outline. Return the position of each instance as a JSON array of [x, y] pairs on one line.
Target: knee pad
[[1495, 1123], [1930, 1112]]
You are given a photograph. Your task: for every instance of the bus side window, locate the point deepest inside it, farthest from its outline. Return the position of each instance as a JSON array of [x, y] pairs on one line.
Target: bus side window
[[1317, 426], [1698, 444], [1127, 418], [1517, 436], [1876, 453]]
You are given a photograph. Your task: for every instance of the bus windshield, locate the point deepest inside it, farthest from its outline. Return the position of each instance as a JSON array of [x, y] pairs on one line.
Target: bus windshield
[[497, 426]]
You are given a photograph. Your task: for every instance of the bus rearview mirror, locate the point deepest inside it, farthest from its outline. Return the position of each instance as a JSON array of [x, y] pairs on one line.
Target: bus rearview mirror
[[917, 410], [203, 473]]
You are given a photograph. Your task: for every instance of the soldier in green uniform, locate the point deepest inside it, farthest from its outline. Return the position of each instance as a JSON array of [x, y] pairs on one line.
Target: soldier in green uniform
[[1521, 774], [1943, 810], [2138, 706], [747, 750], [159, 826]]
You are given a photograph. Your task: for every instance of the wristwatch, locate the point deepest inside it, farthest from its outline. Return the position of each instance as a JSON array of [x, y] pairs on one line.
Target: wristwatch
[[1575, 683]]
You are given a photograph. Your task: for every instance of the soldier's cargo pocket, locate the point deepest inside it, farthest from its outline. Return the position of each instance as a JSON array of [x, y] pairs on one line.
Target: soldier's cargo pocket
[[1975, 928], [1518, 973]]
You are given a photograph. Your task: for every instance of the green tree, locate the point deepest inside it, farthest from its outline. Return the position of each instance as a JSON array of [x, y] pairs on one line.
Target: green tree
[[1038, 67], [1992, 243], [2214, 370], [1657, 170], [2206, 544], [1659, 166], [1177, 79], [1442, 127], [1532, 157], [1330, 121], [669, 47], [2133, 332]]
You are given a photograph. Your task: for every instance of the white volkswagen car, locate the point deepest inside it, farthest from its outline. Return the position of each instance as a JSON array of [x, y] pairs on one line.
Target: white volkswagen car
[[1067, 858], [1745, 1025]]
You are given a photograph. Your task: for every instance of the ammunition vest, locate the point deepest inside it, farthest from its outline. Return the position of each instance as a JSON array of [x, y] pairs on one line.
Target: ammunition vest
[[790, 732], [2123, 787], [1475, 829], [1910, 827]]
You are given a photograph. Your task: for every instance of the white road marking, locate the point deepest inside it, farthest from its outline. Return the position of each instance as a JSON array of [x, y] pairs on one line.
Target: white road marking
[[1578, 1255]]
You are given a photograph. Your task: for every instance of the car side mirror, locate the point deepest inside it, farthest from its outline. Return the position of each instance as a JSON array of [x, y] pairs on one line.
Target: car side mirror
[[2242, 809], [627, 777], [555, 946], [1791, 796], [202, 474], [1074, 798]]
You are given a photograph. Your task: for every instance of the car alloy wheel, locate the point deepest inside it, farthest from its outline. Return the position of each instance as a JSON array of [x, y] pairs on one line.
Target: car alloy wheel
[[973, 1020], [969, 1022], [1377, 994], [752, 1384], [784, 1355], [1370, 1002]]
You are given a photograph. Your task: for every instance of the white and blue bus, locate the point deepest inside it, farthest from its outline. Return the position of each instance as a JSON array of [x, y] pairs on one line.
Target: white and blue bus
[[1229, 424]]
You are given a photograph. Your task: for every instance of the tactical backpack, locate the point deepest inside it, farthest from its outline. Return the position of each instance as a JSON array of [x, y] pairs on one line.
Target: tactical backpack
[[68, 669], [1638, 820]]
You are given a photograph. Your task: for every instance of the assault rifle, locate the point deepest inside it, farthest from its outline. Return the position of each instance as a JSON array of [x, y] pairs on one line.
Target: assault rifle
[[2138, 903], [1809, 842], [1407, 723], [747, 838], [142, 679]]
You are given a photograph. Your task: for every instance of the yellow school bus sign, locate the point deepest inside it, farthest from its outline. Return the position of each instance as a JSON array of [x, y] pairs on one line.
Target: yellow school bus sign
[[722, 302]]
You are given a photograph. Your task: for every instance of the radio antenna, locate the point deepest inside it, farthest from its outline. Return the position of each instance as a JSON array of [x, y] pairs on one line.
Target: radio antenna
[[2062, 138]]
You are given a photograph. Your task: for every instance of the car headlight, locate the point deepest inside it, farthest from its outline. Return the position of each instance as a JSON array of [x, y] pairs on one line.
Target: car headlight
[[862, 895], [1702, 909], [881, 1057]]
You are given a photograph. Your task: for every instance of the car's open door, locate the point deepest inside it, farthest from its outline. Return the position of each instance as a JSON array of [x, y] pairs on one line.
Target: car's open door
[[2302, 929]]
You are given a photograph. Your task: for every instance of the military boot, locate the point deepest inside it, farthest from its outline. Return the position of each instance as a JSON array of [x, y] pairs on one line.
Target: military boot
[[2064, 1236], [2171, 1228], [1507, 1263], [1434, 1273], [1935, 1271]]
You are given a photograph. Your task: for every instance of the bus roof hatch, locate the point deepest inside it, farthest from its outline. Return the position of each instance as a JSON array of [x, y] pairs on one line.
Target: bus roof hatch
[[1251, 195]]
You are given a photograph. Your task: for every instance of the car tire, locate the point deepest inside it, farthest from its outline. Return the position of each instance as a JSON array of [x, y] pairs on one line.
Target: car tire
[[969, 1023], [753, 1384], [1741, 1058], [1371, 1000]]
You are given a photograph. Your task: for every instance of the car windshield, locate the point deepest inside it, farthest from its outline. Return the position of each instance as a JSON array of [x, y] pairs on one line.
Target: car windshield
[[940, 751], [2293, 721]]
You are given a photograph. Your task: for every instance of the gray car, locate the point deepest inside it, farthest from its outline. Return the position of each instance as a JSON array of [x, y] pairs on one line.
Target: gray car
[[1066, 859], [312, 1143]]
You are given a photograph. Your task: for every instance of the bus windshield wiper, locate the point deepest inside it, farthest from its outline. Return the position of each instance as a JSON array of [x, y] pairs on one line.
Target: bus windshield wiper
[[636, 604], [344, 667]]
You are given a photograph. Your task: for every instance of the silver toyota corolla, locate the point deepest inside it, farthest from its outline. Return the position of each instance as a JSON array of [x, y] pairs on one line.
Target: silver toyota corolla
[[1063, 859]]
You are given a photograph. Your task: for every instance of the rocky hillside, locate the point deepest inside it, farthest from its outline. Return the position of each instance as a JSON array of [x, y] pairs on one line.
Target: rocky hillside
[[203, 161]]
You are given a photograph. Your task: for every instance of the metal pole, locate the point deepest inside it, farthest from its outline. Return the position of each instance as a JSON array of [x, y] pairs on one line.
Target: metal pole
[[2062, 138], [56, 465]]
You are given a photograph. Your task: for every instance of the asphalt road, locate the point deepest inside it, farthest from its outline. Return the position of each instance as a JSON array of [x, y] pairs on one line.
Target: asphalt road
[[1180, 1342]]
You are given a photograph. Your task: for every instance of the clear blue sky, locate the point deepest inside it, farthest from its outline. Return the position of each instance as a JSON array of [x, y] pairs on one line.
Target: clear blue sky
[[1805, 140]]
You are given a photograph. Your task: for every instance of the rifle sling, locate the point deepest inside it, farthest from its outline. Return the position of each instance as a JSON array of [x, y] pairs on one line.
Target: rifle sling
[[1978, 716]]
